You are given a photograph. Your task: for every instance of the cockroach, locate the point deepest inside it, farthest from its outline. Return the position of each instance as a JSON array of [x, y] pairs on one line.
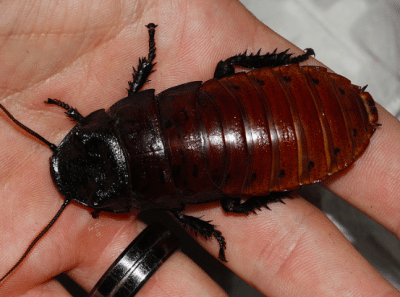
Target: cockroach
[[258, 135]]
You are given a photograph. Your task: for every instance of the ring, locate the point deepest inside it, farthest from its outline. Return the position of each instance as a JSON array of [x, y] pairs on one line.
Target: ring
[[137, 263]]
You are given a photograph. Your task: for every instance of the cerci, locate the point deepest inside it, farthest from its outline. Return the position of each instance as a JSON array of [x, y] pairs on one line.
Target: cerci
[[255, 135]]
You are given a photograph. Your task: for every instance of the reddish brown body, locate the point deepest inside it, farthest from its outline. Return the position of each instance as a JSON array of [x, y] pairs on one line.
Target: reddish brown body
[[247, 134], [289, 126]]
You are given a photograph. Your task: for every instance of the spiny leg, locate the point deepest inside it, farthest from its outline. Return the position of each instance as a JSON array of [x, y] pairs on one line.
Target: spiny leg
[[140, 77], [250, 205], [71, 112], [253, 61], [204, 228], [145, 67]]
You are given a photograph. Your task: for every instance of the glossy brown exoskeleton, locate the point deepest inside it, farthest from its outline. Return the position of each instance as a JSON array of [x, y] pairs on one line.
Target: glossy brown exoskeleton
[[239, 135]]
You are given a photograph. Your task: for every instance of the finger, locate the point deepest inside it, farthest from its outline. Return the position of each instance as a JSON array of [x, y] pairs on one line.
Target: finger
[[48, 289], [372, 184], [181, 277], [294, 250], [178, 276]]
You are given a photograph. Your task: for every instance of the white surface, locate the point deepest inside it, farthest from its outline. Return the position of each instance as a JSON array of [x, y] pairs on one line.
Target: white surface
[[359, 39]]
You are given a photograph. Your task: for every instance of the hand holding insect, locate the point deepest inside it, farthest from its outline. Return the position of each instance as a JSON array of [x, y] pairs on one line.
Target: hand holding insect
[[285, 241]]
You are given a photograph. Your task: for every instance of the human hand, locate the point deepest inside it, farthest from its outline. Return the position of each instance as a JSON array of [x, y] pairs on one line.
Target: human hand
[[82, 53]]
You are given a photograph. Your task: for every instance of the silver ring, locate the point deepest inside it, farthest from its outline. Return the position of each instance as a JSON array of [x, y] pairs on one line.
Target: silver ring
[[137, 263]]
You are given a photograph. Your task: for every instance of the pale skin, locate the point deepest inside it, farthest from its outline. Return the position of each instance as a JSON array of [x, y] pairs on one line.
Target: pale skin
[[82, 54]]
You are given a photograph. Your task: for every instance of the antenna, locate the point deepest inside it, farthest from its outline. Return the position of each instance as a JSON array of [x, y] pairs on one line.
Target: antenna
[[53, 147], [30, 247]]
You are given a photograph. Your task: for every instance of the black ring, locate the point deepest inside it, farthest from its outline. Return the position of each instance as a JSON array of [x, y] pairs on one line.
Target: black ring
[[137, 263]]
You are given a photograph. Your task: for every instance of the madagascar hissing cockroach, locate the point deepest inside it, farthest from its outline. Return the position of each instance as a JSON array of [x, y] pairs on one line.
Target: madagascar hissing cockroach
[[255, 135]]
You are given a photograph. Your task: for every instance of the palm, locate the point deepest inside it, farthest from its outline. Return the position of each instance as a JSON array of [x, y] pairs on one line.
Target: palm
[[83, 56]]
